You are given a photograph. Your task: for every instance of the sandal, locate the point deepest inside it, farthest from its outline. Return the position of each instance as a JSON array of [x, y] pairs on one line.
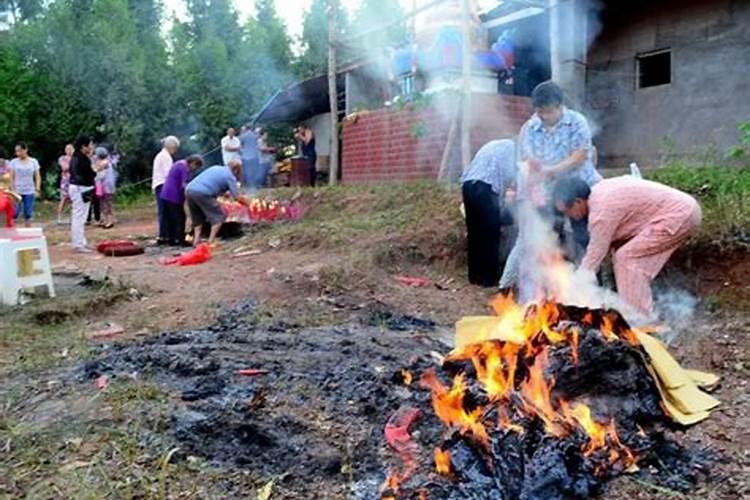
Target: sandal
[[108, 226]]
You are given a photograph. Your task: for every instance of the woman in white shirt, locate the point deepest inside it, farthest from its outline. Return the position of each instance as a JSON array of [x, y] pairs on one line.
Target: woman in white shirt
[[162, 163]]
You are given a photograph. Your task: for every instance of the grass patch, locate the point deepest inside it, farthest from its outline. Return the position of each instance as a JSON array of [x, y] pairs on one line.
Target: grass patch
[[47, 332], [722, 193], [388, 224]]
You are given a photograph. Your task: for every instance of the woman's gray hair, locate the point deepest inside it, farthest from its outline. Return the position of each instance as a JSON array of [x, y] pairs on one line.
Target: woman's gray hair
[[170, 140]]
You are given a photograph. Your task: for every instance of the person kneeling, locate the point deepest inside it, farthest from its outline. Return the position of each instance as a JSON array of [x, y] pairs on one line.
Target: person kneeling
[[202, 192]]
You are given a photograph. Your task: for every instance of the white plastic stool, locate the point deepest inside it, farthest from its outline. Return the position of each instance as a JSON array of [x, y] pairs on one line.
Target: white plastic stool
[[13, 241]]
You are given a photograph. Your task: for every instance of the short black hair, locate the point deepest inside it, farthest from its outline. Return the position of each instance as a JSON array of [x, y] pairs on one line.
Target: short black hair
[[195, 160], [547, 94], [569, 189], [81, 141], [22, 145]]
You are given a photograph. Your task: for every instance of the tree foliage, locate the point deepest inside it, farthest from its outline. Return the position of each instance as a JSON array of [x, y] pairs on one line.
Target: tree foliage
[[108, 68], [314, 41], [374, 13]]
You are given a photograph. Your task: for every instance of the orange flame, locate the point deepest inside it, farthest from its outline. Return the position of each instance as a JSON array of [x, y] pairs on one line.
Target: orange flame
[[407, 377], [536, 396], [443, 461], [449, 407]]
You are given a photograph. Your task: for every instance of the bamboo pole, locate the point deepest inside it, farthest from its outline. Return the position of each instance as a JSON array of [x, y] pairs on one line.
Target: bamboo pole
[[466, 86], [333, 176]]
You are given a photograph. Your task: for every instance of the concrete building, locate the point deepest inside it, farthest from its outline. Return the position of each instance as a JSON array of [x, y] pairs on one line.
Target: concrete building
[[657, 79], [668, 77]]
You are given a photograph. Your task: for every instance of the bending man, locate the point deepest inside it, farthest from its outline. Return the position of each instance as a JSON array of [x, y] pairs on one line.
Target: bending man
[[643, 221], [201, 194], [490, 174]]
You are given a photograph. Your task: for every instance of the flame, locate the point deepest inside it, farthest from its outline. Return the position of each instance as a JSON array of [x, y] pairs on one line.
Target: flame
[[495, 364], [574, 345], [536, 393], [504, 421], [449, 407], [407, 377], [528, 334], [443, 461]]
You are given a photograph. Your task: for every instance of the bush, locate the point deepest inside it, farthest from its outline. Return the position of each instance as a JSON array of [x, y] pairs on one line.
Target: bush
[[722, 193]]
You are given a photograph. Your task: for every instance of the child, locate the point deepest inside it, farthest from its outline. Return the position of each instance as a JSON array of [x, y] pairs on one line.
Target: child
[[105, 181], [64, 164]]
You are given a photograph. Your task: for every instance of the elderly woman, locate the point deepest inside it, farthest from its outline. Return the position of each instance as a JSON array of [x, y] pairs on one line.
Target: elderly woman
[[202, 193], [173, 197], [162, 164]]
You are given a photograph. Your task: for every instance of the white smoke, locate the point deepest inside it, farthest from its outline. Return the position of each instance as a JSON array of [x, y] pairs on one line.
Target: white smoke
[[545, 274]]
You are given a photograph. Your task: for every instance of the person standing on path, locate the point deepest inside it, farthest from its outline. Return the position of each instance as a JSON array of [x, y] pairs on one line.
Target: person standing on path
[[266, 157], [64, 163], [230, 147], [26, 180], [249, 156], [82, 176], [306, 138], [162, 163]]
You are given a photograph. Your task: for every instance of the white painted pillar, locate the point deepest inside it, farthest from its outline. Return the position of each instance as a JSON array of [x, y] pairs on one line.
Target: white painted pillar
[[568, 47]]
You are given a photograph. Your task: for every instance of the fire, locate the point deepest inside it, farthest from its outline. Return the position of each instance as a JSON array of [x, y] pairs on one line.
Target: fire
[[529, 335], [449, 407], [537, 399], [407, 377], [495, 364], [443, 461]]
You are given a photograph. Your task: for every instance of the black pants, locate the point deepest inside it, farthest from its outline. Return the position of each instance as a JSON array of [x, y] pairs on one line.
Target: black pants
[[174, 222], [483, 224], [95, 211]]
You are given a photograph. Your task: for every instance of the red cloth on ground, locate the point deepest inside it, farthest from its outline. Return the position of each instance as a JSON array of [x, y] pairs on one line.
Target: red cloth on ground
[[7, 207]]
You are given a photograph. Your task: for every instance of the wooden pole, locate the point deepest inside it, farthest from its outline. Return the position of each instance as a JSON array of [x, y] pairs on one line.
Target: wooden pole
[[333, 163], [466, 86]]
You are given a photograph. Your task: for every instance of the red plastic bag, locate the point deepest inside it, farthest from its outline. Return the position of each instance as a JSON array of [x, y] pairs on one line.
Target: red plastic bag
[[199, 255]]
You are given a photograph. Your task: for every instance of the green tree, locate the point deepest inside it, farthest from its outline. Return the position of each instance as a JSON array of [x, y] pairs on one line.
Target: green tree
[[374, 13], [314, 58]]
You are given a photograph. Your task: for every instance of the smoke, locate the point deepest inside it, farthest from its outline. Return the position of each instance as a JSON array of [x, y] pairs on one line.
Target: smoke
[[675, 308], [545, 273]]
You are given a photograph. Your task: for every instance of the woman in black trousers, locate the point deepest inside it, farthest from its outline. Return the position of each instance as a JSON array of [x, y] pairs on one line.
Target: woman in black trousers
[[484, 183]]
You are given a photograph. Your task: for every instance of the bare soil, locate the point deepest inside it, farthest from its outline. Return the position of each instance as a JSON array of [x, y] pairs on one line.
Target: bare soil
[[333, 329]]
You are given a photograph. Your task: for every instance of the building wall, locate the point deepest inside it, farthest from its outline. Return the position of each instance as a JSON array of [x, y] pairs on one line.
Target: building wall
[[391, 144], [710, 90]]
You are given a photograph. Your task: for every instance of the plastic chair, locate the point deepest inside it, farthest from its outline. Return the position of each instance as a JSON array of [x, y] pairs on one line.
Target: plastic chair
[[18, 270]]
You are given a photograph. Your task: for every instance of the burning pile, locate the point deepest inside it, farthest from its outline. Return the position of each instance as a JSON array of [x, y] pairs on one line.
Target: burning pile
[[551, 403], [260, 210]]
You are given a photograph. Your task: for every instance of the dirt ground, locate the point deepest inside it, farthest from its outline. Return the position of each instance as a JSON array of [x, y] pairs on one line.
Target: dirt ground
[[113, 444]]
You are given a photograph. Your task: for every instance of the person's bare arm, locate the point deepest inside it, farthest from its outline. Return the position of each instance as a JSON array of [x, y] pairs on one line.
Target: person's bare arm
[[38, 180], [572, 162]]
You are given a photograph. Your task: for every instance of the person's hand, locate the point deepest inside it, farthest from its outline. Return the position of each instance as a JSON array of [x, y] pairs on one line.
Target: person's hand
[[510, 196], [535, 166]]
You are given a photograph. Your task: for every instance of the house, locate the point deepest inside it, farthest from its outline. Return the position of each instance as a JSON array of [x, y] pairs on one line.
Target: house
[[668, 77], [654, 77]]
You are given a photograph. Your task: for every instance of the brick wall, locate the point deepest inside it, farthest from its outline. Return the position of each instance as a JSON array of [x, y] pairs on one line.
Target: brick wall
[[391, 144]]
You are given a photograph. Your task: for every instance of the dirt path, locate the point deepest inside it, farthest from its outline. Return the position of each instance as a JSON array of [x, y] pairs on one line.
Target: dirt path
[[119, 438]]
